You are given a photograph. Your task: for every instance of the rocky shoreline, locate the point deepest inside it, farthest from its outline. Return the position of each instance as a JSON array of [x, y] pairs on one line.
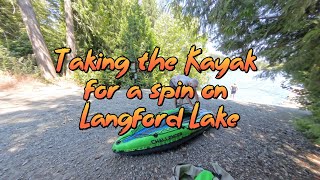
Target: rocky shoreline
[[41, 140]]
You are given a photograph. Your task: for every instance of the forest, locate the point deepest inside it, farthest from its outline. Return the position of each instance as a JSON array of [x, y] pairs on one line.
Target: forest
[[285, 33]]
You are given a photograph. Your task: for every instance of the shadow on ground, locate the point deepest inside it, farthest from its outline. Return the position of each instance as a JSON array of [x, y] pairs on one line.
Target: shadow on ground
[[41, 140]]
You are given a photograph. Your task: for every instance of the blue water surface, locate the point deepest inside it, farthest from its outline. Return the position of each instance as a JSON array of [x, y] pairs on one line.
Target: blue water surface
[[251, 89]]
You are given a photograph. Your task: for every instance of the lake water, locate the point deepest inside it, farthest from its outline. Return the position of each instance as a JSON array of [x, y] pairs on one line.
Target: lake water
[[251, 89]]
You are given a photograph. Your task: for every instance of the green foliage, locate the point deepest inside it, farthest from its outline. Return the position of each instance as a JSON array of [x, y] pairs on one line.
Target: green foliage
[[52, 24], [151, 10], [20, 66], [116, 28], [131, 28], [123, 30], [136, 38], [175, 38], [14, 37], [14, 42], [285, 33], [135, 34], [310, 126], [97, 24]]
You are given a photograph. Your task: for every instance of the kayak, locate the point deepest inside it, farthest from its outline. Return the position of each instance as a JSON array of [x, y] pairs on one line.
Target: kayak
[[142, 140]]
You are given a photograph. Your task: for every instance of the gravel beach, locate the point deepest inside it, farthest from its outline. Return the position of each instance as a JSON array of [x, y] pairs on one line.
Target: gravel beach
[[40, 139]]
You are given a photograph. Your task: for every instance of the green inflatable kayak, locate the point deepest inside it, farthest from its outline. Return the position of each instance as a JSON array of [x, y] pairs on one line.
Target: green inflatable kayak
[[142, 140]]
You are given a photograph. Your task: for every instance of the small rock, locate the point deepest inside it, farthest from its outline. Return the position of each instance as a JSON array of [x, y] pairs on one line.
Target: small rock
[[98, 157], [285, 172], [273, 137], [228, 169], [267, 171], [307, 171], [25, 162]]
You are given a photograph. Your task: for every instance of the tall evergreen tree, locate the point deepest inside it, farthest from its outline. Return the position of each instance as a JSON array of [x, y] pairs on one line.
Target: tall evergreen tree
[[151, 10], [174, 36], [13, 35], [38, 44], [136, 38], [71, 42], [286, 33]]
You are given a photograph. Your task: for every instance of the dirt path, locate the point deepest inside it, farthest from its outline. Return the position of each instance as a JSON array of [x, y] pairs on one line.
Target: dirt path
[[40, 139]]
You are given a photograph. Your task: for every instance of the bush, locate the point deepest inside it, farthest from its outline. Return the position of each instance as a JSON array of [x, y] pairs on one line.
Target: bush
[[104, 77], [310, 127], [18, 65]]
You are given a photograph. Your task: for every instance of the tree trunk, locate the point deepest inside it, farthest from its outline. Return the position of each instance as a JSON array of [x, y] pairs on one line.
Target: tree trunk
[[38, 45], [69, 33]]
